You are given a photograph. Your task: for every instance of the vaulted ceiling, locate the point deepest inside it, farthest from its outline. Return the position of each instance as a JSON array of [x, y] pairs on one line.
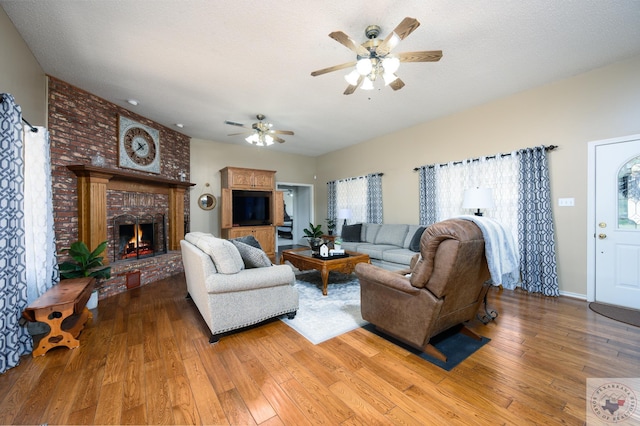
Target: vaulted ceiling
[[201, 62]]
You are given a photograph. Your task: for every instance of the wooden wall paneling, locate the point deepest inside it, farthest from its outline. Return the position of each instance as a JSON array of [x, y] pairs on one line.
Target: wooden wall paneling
[[176, 217]]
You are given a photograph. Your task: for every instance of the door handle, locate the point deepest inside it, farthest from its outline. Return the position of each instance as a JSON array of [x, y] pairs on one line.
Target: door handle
[[602, 236]]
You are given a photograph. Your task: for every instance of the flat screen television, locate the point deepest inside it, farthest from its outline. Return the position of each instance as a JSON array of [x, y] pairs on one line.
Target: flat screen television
[[251, 208]]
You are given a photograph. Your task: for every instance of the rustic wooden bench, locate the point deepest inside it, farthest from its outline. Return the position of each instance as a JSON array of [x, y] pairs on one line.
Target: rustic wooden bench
[[63, 308]]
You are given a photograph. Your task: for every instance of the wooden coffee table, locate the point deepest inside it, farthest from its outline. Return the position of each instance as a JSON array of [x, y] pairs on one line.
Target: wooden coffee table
[[302, 259]]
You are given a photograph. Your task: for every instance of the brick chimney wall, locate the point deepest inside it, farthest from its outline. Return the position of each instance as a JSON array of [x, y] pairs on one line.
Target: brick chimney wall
[[81, 126]]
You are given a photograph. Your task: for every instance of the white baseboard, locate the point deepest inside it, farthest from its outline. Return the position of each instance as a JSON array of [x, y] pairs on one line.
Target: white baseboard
[[573, 295]]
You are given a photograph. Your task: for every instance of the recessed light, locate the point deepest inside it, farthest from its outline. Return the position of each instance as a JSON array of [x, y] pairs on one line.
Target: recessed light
[[132, 102], [179, 125]]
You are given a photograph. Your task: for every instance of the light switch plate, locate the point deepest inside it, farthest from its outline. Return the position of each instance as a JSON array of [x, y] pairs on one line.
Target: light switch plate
[[566, 202]]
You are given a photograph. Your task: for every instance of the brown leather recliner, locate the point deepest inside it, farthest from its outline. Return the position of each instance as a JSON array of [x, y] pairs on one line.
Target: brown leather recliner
[[445, 289]]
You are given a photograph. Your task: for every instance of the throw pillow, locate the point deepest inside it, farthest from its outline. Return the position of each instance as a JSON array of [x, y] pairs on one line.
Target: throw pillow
[[415, 241], [225, 256], [249, 239], [351, 233], [251, 256]]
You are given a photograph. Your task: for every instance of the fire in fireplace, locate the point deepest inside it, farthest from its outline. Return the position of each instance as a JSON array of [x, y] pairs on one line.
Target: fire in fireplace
[[136, 237]]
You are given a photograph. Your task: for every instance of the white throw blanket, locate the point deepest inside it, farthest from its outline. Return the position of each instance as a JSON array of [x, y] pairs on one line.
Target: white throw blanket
[[501, 251]]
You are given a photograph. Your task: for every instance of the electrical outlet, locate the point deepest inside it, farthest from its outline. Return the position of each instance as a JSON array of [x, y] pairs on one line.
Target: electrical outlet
[[566, 202]]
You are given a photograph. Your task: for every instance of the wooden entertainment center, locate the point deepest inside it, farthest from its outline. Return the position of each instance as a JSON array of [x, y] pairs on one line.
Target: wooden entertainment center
[[256, 184]]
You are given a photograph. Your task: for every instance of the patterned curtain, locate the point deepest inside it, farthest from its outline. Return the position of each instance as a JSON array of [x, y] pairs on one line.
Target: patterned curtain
[[14, 339], [428, 200], [332, 201], [361, 196], [442, 189], [535, 224], [374, 198], [42, 266]]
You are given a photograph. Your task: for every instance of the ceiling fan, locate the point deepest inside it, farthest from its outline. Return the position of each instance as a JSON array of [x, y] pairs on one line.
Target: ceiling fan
[[374, 58], [261, 133]]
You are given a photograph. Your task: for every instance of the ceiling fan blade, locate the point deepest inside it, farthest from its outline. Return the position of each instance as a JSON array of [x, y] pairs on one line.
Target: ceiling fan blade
[[233, 123], [396, 84], [352, 87], [236, 134], [423, 56], [404, 28], [334, 68], [281, 132], [277, 139], [347, 41]]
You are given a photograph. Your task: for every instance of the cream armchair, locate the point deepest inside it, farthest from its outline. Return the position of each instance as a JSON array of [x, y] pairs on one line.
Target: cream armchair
[[228, 295]]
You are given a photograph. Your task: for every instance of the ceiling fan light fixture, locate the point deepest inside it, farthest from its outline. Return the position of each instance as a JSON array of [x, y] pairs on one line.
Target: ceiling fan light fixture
[[389, 78], [268, 139], [252, 138], [390, 64], [352, 77], [367, 84], [364, 66]]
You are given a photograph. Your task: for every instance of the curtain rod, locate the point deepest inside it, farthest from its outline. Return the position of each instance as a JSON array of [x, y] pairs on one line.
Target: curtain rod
[[357, 177], [546, 148], [33, 129]]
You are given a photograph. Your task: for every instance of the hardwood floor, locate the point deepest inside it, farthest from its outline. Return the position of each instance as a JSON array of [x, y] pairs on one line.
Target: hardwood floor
[[145, 359]]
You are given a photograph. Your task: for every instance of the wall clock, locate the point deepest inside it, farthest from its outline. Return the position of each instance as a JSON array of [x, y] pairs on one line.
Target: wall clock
[[138, 146]]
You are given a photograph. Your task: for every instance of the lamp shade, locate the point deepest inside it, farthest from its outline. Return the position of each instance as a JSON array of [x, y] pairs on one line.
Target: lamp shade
[[478, 198], [344, 214]]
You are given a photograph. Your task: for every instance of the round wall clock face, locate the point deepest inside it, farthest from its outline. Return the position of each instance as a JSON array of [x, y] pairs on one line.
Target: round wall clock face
[[139, 146]]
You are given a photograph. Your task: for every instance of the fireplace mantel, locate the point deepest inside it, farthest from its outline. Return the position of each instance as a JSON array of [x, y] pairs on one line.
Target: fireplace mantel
[[93, 183]]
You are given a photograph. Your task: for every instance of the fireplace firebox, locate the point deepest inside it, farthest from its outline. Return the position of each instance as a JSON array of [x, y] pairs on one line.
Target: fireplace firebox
[[137, 237]]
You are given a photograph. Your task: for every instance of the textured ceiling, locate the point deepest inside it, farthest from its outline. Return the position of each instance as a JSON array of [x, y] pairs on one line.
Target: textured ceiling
[[201, 62]]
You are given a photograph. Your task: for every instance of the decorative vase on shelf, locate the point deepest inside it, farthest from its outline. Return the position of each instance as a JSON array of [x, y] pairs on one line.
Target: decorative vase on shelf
[[315, 244]]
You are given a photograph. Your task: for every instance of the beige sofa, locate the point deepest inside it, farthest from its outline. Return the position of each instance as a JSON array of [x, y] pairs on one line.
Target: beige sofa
[[229, 295], [388, 245]]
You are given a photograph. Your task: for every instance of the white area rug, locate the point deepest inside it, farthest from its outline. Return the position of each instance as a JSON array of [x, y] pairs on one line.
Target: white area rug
[[321, 318]]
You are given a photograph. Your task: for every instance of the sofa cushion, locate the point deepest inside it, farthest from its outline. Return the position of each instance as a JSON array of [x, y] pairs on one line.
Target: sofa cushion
[[369, 232], [391, 234], [251, 256], [402, 256], [351, 233], [224, 254], [249, 239], [415, 240], [375, 251]]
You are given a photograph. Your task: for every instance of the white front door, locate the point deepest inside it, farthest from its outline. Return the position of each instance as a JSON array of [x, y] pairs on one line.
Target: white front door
[[617, 223]]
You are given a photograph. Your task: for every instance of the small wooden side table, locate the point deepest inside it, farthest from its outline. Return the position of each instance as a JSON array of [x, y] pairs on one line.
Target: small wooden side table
[[59, 303]]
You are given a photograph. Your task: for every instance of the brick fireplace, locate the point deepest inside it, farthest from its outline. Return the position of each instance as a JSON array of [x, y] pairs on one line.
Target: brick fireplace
[[86, 199]]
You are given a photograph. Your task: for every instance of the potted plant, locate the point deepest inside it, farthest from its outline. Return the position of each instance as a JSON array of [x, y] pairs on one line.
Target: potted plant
[[85, 263], [337, 243], [313, 234], [331, 226]]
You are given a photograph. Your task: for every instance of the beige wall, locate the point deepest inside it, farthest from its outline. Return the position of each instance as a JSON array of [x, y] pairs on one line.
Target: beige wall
[[207, 158], [21, 76], [600, 104]]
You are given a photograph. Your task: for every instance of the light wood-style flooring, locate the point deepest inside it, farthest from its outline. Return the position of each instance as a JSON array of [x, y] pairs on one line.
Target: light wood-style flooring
[[145, 359]]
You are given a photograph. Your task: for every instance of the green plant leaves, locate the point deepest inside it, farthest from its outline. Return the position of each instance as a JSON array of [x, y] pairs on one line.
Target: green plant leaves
[[86, 263], [313, 231]]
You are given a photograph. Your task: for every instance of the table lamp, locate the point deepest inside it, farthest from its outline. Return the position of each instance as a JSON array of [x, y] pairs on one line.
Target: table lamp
[[478, 198]]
